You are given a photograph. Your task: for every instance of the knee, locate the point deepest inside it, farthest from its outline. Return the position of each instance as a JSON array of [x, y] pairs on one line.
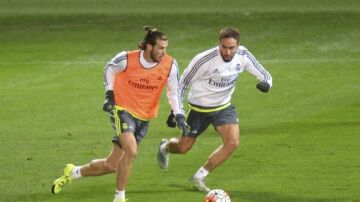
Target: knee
[[232, 144], [110, 166], [131, 154]]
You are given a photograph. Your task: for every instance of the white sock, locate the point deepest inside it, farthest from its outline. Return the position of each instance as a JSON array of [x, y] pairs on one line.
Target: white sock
[[76, 173], [201, 173], [120, 194]]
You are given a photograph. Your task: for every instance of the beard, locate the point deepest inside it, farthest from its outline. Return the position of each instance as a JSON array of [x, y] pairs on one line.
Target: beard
[[227, 59], [154, 58]]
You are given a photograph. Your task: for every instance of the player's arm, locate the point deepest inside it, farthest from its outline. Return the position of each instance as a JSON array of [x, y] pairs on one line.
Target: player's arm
[[172, 87], [256, 69], [176, 116], [115, 65], [190, 74]]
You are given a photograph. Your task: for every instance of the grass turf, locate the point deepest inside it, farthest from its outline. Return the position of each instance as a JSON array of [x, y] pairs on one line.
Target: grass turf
[[298, 143]]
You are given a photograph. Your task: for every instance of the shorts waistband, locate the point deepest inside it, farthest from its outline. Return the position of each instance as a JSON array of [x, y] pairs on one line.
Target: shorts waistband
[[132, 114], [208, 109]]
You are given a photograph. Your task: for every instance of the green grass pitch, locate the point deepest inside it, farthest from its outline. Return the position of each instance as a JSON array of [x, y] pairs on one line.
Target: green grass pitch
[[299, 143]]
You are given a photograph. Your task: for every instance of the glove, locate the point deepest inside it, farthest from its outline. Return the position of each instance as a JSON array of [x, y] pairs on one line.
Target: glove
[[109, 101], [180, 122], [263, 87], [171, 122]]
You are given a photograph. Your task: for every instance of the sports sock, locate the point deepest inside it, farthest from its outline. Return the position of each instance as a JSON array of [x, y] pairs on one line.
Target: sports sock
[[120, 194], [76, 172], [201, 173]]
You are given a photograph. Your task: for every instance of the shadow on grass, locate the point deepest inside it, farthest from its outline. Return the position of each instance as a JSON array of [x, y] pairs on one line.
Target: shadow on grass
[[275, 197], [80, 192], [105, 193]]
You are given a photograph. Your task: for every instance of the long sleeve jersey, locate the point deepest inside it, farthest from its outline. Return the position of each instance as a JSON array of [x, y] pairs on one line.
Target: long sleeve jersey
[[119, 64], [213, 80]]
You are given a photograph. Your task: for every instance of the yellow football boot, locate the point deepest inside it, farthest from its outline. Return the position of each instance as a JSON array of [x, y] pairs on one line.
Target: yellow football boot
[[63, 180]]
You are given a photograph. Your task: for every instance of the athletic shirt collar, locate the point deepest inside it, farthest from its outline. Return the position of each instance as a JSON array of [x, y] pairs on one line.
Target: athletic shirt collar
[[145, 63]]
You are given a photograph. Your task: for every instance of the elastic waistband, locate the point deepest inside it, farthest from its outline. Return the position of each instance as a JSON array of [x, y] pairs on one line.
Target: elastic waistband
[[208, 109], [132, 114]]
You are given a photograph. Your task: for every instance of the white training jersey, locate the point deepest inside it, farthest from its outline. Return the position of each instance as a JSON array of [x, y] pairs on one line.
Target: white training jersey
[[213, 80], [119, 63]]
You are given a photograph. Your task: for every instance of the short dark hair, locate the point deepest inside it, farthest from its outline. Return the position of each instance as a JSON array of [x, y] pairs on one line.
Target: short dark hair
[[229, 32], [151, 36]]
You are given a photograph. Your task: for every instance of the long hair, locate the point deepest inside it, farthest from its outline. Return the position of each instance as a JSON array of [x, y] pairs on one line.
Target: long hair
[[151, 36]]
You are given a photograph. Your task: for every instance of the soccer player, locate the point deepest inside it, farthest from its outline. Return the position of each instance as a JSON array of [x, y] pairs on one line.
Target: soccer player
[[133, 82], [212, 76]]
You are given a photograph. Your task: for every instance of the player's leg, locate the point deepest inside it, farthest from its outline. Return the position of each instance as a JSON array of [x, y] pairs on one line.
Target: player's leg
[[198, 123], [180, 146], [230, 136], [104, 166], [174, 145], [109, 164], [133, 131], [96, 167], [226, 123], [129, 145]]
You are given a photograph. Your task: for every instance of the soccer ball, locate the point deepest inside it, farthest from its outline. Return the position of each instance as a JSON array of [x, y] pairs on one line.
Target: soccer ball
[[217, 195]]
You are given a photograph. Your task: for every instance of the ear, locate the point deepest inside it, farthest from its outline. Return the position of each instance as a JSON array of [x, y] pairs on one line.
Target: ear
[[149, 47]]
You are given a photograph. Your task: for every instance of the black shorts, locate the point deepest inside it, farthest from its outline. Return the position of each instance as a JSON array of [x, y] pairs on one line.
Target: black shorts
[[122, 121], [199, 121]]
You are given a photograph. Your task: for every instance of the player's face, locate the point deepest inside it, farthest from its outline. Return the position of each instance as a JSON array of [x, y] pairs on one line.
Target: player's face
[[158, 51], [228, 48]]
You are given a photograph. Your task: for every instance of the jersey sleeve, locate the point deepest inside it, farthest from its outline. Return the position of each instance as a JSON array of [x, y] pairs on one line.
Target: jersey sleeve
[[190, 74], [172, 87], [255, 68], [115, 65]]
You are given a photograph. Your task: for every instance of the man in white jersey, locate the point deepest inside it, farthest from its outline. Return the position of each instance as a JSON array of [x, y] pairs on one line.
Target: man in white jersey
[[133, 82], [212, 77]]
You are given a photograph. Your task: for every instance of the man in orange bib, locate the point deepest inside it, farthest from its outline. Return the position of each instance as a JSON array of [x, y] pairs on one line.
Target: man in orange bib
[[133, 82]]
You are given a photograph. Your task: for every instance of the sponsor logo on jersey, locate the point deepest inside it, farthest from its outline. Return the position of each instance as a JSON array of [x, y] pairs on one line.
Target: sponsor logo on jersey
[[222, 82], [143, 84]]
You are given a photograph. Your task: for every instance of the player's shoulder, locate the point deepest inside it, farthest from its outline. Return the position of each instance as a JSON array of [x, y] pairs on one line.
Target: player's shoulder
[[123, 54], [120, 57], [172, 61], [208, 54], [242, 50]]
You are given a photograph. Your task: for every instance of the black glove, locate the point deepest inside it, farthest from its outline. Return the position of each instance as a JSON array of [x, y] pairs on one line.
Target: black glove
[[109, 101], [180, 122], [263, 87], [171, 122]]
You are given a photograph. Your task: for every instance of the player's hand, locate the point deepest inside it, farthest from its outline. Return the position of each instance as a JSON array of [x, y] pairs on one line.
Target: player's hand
[[171, 122], [263, 87], [180, 122], [109, 103]]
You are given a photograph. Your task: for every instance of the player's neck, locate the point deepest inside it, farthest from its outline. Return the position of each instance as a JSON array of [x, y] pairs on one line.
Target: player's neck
[[147, 57]]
